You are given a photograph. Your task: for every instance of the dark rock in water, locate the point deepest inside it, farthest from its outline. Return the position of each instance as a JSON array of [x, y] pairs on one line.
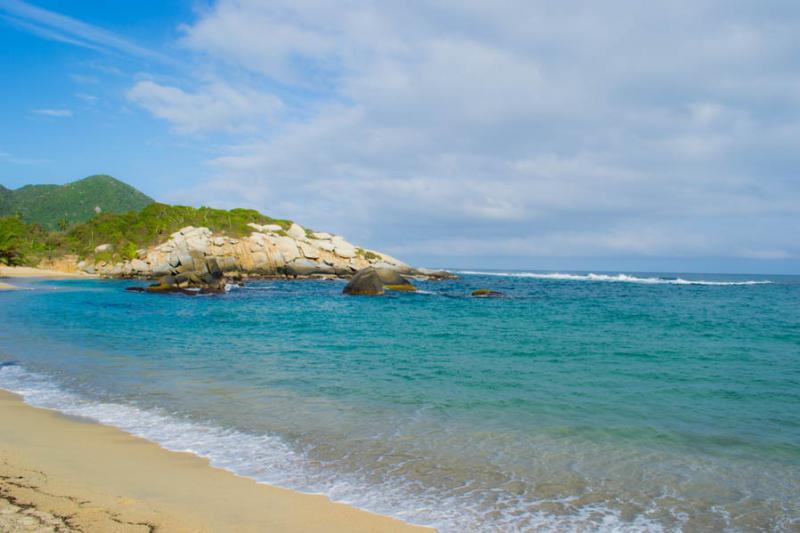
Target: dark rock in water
[[157, 288], [184, 279], [213, 279], [392, 280], [209, 280], [487, 293], [373, 281], [365, 282], [168, 281]]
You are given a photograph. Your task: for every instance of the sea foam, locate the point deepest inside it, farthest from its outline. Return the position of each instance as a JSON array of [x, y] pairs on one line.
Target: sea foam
[[267, 459], [618, 278]]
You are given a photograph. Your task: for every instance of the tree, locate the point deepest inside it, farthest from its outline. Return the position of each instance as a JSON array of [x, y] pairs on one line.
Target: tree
[[12, 240]]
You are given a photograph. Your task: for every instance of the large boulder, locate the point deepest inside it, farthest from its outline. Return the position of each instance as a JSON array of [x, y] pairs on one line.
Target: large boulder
[[309, 251], [287, 247], [374, 281], [296, 232], [322, 245], [304, 267], [392, 280], [342, 248], [161, 269], [137, 265], [366, 282]]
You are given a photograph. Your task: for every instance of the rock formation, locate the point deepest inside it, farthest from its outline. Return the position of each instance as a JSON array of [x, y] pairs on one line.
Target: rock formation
[[269, 251], [373, 281], [212, 281]]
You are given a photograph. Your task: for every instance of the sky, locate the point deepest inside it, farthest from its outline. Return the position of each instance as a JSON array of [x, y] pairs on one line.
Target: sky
[[572, 135]]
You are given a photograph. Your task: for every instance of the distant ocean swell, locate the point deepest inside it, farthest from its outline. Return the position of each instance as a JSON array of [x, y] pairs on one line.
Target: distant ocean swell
[[624, 278], [268, 459]]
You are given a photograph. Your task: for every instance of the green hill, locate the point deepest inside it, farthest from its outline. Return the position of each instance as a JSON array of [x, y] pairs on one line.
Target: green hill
[[57, 206]]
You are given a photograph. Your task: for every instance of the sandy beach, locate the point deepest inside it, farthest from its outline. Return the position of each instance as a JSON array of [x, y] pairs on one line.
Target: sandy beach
[[64, 474], [44, 273]]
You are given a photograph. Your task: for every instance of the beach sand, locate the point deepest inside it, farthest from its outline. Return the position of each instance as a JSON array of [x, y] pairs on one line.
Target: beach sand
[[58, 473], [32, 272]]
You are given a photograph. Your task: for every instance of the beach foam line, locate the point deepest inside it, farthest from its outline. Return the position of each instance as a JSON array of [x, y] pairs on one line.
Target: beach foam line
[[268, 459], [618, 278]]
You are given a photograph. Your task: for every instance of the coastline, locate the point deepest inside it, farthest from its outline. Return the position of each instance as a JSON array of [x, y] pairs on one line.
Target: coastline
[[43, 273], [62, 472]]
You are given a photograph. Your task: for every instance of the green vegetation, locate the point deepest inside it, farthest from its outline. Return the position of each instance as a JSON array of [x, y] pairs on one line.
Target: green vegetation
[[366, 254], [154, 224], [5, 199], [20, 243], [58, 207], [126, 232], [47, 221]]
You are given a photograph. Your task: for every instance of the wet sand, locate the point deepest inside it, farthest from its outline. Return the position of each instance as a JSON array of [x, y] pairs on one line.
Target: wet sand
[[63, 474]]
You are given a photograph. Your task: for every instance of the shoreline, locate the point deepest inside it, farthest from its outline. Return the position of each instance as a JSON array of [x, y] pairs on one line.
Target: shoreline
[[58, 471], [42, 273]]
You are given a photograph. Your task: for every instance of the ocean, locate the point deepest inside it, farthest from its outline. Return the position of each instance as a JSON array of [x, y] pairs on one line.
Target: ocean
[[577, 402]]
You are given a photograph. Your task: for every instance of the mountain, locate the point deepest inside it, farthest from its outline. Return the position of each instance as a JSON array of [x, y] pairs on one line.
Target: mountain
[[54, 205]]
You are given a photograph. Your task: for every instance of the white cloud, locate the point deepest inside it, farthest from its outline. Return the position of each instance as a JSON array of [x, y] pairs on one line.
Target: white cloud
[[58, 113], [633, 129], [214, 107]]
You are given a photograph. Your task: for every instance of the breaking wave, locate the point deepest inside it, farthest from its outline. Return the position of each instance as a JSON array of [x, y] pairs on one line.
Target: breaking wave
[[617, 278]]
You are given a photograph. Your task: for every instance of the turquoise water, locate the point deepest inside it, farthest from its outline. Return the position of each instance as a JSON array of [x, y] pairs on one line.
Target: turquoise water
[[578, 402]]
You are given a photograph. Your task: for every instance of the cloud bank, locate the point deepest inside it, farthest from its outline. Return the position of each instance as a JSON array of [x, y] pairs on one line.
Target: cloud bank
[[510, 128]]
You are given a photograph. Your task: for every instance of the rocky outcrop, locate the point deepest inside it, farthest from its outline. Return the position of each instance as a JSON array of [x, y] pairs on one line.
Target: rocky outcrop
[[269, 251], [373, 281], [212, 281], [365, 283]]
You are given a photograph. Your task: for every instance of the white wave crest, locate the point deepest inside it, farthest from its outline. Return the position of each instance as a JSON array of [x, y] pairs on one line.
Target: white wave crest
[[618, 278], [268, 459]]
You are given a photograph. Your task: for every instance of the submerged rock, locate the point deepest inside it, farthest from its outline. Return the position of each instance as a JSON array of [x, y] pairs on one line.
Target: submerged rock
[[487, 293]]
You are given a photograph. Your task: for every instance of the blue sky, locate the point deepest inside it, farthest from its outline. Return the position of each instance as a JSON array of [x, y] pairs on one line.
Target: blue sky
[[479, 134]]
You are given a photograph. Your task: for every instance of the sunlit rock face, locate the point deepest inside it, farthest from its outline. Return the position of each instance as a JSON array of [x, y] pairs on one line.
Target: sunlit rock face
[[269, 250]]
